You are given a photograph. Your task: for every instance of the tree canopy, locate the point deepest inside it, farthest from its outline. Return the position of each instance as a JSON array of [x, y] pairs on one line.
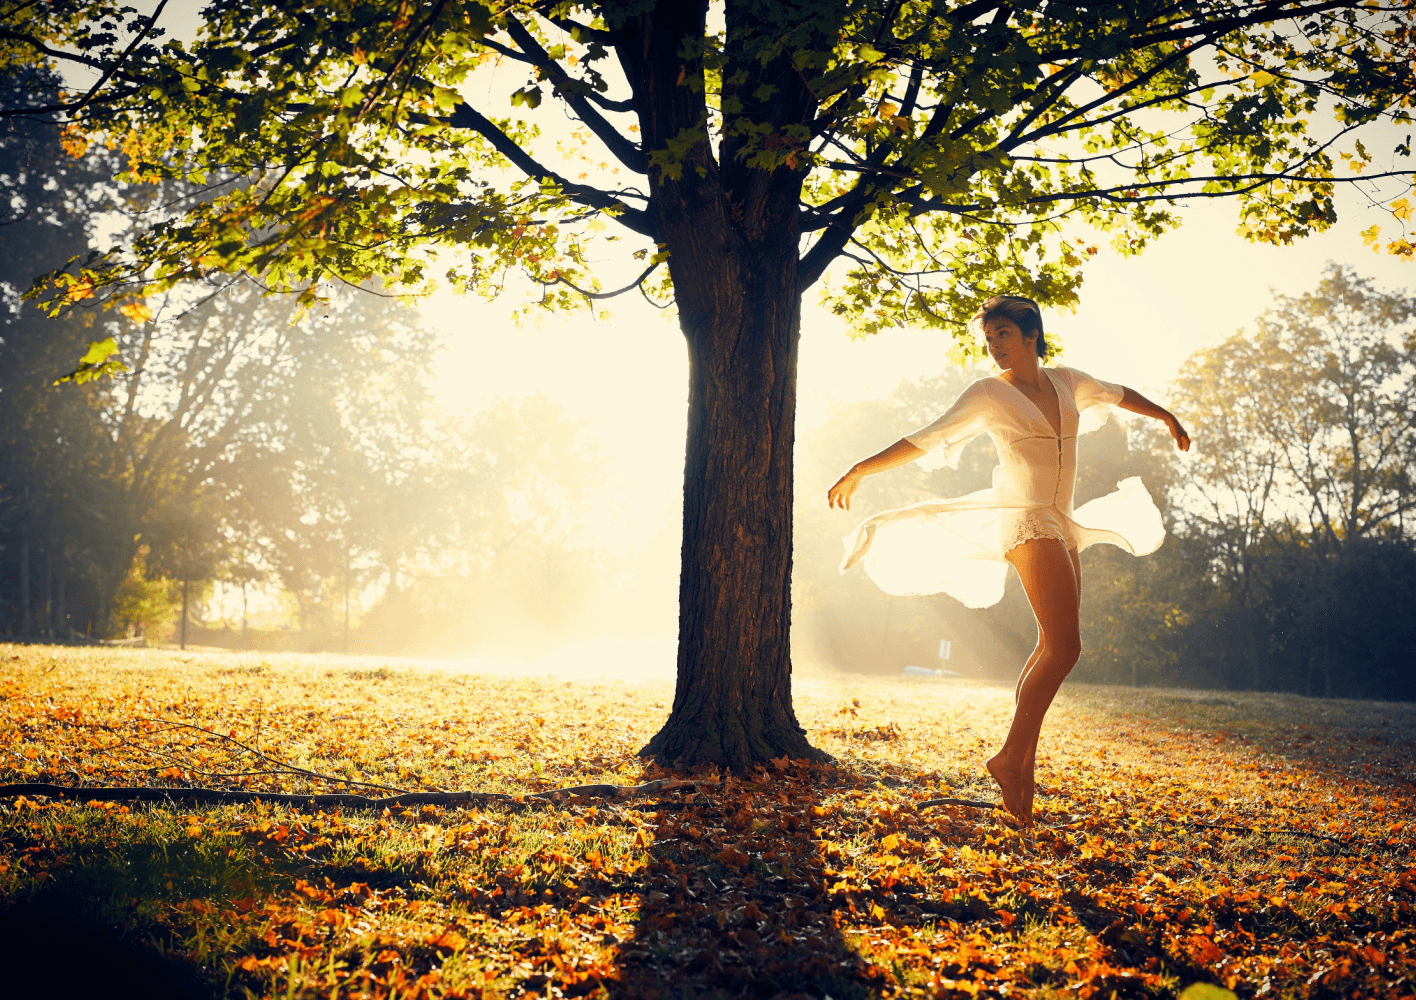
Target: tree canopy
[[941, 149]]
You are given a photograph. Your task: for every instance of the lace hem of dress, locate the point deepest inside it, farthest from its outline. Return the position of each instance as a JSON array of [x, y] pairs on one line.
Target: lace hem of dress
[[1033, 524]]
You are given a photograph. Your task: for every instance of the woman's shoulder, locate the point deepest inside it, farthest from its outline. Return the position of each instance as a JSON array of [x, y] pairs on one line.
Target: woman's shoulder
[[1071, 377], [980, 390]]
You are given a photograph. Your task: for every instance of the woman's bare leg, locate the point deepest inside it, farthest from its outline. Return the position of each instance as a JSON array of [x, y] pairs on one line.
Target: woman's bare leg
[[1031, 763], [1050, 579]]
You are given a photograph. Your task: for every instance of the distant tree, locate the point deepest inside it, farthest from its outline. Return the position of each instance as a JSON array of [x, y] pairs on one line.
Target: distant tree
[[936, 152], [486, 552], [63, 525], [1302, 482], [1134, 611], [186, 544]]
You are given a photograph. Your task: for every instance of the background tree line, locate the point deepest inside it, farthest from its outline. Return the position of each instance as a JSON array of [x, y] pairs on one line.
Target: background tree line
[[257, 445], [1291, 561]]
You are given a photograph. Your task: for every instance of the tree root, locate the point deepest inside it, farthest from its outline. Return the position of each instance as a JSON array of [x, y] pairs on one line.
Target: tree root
[[970, 803], [552, 796]]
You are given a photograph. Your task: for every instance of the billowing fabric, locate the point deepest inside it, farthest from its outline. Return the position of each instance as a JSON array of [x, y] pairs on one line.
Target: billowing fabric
[[956, 546]]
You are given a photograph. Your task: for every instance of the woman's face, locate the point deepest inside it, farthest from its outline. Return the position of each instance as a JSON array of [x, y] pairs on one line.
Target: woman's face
[[1006, 343]]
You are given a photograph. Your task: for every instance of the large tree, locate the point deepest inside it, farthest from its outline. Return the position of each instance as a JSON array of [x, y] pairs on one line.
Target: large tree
[[935, 152]]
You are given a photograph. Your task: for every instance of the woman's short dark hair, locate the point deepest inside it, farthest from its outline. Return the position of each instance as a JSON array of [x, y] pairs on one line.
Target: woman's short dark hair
[[1021, 310]]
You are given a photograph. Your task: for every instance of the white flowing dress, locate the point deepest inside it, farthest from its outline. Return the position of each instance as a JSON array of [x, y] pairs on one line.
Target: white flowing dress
[[957, 546]]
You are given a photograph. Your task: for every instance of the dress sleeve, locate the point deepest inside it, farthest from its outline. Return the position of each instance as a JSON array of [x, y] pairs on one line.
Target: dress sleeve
[[944, 440], [1094, 399]]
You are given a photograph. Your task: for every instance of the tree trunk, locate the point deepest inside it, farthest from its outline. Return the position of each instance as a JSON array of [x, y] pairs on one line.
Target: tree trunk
[[46, 613], [733, 702], [61, 610], [184, 613], [346, 599], [732, 232], [24, 582]]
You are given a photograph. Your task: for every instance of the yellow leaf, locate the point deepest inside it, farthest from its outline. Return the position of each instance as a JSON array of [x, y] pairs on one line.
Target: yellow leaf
[[890, 843], [138, 311], [98, 351], [1401, 208], [1262, 78], [1206, 991], [1369, 236]]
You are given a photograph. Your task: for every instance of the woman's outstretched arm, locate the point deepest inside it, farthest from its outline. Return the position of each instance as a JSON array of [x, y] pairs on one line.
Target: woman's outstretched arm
[[898, 454], [1136, 403]]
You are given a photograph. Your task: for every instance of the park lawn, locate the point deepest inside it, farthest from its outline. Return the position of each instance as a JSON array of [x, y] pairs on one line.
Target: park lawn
[[1259, 842]]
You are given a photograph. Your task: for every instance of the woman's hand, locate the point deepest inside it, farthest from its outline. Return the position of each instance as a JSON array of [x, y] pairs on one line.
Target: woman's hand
[[1136, 403], [896, 455], [840, 494], [1181, 436]]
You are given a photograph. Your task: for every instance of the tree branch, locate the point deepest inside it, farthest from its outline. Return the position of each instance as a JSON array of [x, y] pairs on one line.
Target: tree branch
[[637, 220], [1267, 13], [819, 257], [108, 73], [1016, 138], [637, 282], [578, 30], [625, 151]]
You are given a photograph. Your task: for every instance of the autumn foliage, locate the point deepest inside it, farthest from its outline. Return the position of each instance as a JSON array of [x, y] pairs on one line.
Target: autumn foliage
[[1258, 843]]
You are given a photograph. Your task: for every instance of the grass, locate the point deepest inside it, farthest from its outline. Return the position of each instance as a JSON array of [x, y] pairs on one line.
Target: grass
[[1258, 842]]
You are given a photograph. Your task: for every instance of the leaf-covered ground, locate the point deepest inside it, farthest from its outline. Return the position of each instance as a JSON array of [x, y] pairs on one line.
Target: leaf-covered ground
[[1259, 842]]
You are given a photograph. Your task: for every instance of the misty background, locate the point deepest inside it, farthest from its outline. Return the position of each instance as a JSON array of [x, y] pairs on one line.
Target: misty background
[[349, 479]]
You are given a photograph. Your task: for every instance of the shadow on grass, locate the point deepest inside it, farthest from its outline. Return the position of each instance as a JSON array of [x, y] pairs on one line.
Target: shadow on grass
[[64, 948], [742, 898], [93, 925]]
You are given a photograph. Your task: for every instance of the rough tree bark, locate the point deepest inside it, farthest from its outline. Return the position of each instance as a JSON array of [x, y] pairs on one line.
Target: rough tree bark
[[733, 703], [733, 235]]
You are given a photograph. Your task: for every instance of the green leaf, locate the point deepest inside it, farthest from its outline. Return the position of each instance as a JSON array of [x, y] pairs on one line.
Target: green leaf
[[97, 362]]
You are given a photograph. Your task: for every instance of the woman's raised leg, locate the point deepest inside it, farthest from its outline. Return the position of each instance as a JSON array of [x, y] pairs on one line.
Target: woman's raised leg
[[1052, 583]]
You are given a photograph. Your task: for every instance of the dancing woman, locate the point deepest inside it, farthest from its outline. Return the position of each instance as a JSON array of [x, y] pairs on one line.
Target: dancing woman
[[963, 546]]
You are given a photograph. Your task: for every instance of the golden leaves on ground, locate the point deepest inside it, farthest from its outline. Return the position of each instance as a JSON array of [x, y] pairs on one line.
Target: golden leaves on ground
[[1249, 843]]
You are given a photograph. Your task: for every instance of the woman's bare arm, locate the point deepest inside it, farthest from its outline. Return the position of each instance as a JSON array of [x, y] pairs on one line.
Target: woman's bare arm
[[1136, 403], [898, 454]]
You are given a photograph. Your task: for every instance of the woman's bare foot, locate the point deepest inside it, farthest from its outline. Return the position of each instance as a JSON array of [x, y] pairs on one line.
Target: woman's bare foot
[[1014, 784]]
